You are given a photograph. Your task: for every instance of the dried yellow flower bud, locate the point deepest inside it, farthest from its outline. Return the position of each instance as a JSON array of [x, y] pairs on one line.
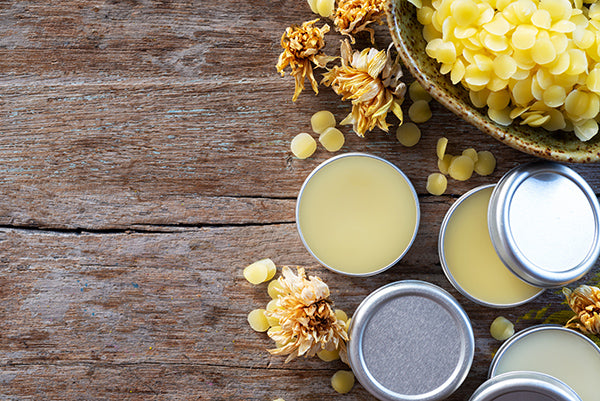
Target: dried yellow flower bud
[[585, 302]]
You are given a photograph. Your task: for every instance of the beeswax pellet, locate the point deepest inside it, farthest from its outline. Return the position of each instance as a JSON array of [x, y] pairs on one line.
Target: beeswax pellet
[[472, 153], [303, 145], [271, 305], [342, 381], [436, 184], [341, 315], [332, 139], [274, 289], [440, 148], [502, 328], [328, 356], [486, 163], [258, 321], [417, 92], [444, 164], [419, 111], [279, 399], [408, 134], [257, 272], [273, 321], [461, 168], [313, 6], [322, 120], [325, 7]]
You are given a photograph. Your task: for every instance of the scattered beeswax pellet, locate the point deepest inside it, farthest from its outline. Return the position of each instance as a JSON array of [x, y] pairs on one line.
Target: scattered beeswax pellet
[[342, 381], [273, 329], [271, 305], [325, 7], [408, 134], [417, 92], [341, 315], [332, 139], [274, 289], [271, 268], [444, 164], [279, 399], [472, 153], [440, 148], [461, 168], [258, 321], [322, 120], [486, 163], [501, 328], [328, 356], [303, 145], [436, 184], [257, 272], [419, 111]]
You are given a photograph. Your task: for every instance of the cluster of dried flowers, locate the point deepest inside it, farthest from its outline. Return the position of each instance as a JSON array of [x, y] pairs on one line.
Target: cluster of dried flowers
[[370, 78], [307, 322], [585, 302]]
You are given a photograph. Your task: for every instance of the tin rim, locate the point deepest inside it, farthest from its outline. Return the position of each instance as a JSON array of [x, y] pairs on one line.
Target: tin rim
[[446, 269], [524, 381], [504, 242], [411, 187], [362, 316], [525, 332]]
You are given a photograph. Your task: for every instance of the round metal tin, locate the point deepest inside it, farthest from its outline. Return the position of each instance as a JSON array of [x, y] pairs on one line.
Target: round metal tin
[[544, 223], [401, 174], [444, 262], [410, 340], [519, 386], [577, 366]]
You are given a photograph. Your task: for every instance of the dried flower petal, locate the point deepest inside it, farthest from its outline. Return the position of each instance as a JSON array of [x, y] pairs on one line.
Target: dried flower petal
[[301, 46], [585, 302], [371, 79], [353, 16], [307, 322]]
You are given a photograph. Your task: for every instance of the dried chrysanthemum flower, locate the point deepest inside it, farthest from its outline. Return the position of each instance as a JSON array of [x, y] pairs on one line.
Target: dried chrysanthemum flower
[[301, 46], [307, 322], [353, 16], [585, 302], [371, 79]]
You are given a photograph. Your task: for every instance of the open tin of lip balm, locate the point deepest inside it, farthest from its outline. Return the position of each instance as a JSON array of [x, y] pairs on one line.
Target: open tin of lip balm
[[357, 214], [410, 341], [539, 227], [554, 350], [520, 386]]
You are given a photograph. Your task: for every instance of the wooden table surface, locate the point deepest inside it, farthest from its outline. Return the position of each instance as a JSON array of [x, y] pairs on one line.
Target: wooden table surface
[[144, 162]]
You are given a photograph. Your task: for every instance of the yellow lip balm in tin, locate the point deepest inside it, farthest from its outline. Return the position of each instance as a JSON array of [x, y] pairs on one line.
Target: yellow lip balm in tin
[[357, 214]]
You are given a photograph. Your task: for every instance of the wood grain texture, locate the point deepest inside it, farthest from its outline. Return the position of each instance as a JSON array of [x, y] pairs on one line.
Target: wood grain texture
[[144, 161]]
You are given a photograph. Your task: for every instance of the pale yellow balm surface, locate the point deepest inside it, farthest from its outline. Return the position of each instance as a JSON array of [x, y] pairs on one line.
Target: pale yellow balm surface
[[471, 259], [357, 214], [557, 353]]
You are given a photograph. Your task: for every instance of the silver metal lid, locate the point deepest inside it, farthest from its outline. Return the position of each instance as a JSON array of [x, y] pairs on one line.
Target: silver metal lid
[[519, 386], [410, 340], [544, 223]]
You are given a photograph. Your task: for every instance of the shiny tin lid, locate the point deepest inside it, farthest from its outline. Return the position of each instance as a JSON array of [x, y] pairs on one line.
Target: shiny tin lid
[[410, 340], [519, 386], [544, 223]]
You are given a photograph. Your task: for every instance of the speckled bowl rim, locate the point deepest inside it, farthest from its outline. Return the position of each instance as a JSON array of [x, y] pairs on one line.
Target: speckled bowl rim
[[587, 152]]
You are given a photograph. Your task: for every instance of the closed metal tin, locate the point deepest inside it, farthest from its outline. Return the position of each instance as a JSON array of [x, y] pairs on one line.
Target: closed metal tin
[[519, 386], [332, 160], [544, 223], [410, 340]]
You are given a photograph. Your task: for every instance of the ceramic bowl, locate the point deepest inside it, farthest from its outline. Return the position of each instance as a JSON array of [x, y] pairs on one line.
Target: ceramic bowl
[[407, 36]]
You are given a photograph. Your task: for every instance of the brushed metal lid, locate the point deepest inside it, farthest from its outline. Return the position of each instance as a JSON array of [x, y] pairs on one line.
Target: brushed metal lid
[[544, 223], [410, 340], [519, 386]]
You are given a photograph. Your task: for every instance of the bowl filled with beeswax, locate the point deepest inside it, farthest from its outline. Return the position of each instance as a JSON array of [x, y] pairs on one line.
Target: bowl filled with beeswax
[[526, 72]]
